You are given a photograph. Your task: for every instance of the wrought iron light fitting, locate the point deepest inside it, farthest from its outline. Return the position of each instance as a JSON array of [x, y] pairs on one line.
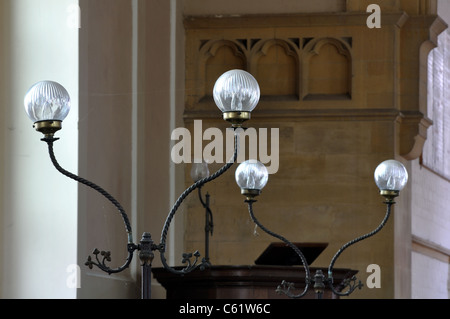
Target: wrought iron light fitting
[[236, 93]]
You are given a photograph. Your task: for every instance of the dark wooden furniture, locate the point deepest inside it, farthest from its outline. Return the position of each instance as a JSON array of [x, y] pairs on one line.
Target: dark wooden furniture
[[240, 282], [278, 262]]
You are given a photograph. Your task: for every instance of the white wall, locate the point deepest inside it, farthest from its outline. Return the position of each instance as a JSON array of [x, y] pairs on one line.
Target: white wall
[[430, 267], [431, 278], [131, 97], [430, 213], [39, 210], [430, 207], [230, 7]]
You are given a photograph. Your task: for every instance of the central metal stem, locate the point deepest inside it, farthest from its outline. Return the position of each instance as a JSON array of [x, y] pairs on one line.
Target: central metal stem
[[146, 256]]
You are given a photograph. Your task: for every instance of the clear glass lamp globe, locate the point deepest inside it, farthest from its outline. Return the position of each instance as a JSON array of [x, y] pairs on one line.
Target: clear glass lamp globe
[[236, 91], [391, 175], [199, 171], [47, 101], [251, 176]]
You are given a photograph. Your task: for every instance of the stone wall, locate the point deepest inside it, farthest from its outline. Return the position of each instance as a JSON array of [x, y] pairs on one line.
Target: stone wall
[[344, 98]]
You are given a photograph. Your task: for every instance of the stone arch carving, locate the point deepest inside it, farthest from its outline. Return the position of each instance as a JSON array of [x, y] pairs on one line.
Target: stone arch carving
[[327, 69], [217, 57], [275, 64]]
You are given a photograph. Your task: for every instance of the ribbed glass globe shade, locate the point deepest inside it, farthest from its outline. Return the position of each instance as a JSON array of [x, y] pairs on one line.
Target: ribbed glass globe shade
[[251, 175], [391, 175], [47, 101], [236, 90], [199, 171]]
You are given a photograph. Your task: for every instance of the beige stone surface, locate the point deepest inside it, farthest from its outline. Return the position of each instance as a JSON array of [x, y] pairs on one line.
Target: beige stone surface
[[324, 189]]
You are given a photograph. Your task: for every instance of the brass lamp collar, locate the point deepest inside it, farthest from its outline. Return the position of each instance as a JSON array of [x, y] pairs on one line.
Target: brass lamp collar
[[389, 195], [48, 127], [250, 193], [236, 118]]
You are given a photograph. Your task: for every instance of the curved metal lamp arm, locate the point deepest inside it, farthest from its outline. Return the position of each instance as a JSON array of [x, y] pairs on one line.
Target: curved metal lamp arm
[[209, 224], [351, 283], [187, 257], [107, 258], [131, 247], [205, 204], [285, 287], [200, 197]]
